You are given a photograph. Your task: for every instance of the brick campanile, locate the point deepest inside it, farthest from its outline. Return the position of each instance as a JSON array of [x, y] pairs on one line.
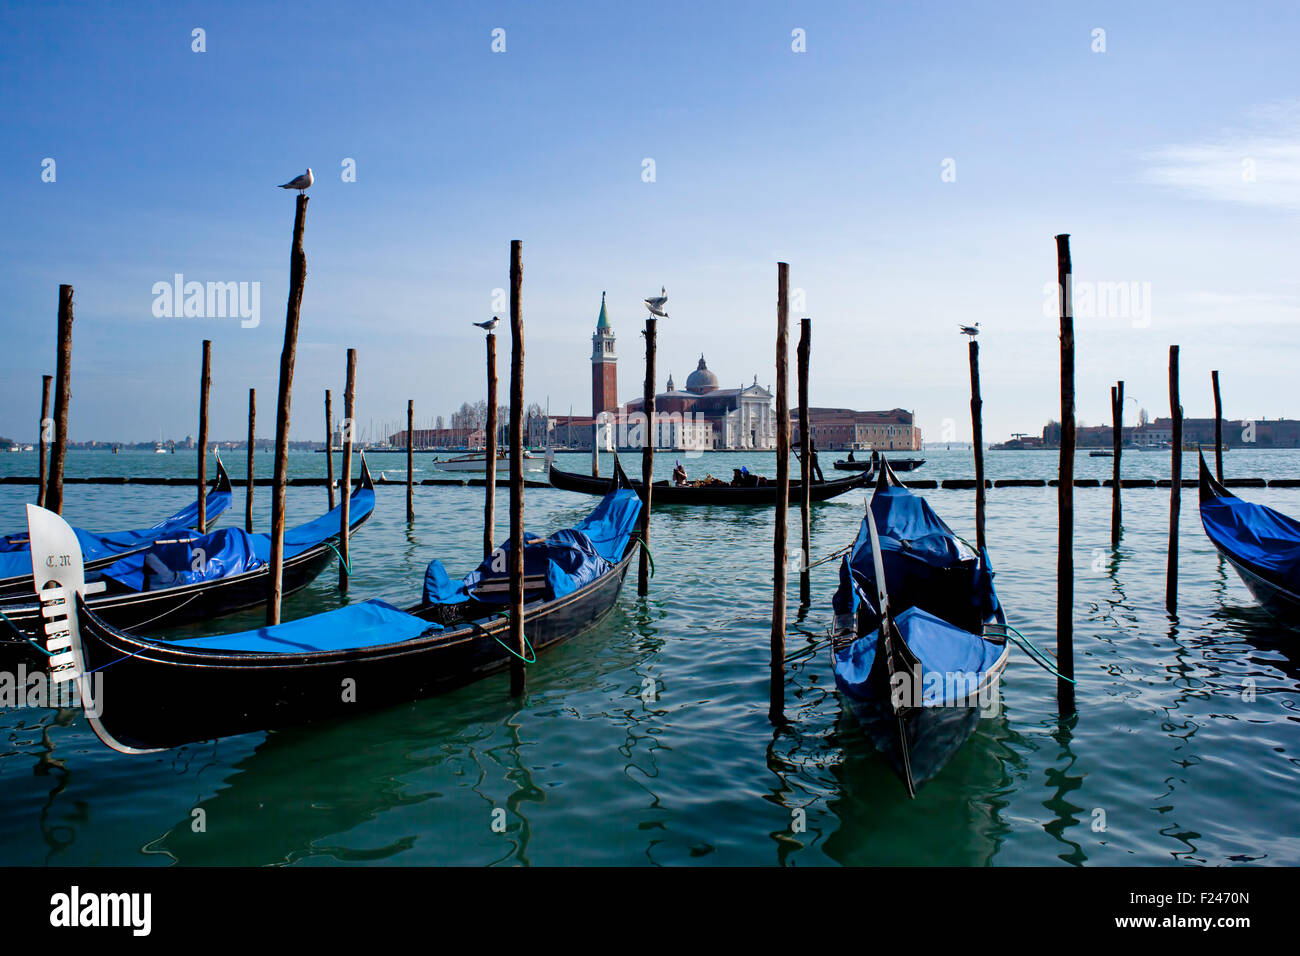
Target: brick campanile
[[604, 366]]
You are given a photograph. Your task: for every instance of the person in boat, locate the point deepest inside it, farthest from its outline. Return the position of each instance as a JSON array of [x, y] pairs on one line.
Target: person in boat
[[679, 476], [851, 458], [815, 469]]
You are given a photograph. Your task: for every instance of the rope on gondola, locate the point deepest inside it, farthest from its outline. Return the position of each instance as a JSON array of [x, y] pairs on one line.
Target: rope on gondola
[[510, 650], [30, 640], [646, 548], [832, 556], [1036, 655], [347, 565]]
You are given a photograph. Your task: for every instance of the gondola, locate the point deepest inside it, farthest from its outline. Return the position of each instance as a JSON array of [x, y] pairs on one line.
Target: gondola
[[721, 494], [919, 641], [162, 587], [141, 695], [1261, 544], [100, 550], [868, 464]]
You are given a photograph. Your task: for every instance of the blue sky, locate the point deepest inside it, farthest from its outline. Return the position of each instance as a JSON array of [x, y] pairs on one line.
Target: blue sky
[[831, 159]]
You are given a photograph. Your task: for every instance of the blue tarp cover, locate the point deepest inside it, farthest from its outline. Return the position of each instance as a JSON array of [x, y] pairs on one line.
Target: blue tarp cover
[[953, 661], [368, 624], [227, 552], [1257, 536], [16, 555], [926, 565], [568, 559]]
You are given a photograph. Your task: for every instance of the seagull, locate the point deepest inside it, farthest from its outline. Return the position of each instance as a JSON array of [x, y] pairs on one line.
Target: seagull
[[971, 330], [656, 304], [490, 325], [301, 182]]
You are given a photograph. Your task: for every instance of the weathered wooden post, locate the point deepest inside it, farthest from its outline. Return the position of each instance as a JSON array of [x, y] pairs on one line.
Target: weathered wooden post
[[345, 482], [205, 385], [977, 434], [410, 460], [1175, 484], [248, 490], [647, 455], [780, 553], [62, 396], [490, 450], [297, 278], [1117, 449], [518, 682], [329, 448], [1065, 489], [595, 445], [804, 351], [43, 439], [1218, 428]]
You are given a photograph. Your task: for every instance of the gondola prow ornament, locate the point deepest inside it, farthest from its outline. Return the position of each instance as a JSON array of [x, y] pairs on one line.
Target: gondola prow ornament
[[59, 575]]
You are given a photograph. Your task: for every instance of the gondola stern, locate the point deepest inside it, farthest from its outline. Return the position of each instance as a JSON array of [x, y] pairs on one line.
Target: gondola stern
[[1208, 484]]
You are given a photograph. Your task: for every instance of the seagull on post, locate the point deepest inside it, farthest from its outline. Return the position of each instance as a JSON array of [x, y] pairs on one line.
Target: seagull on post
[[300, 182], [657, 303], [490, 325], [971, 330]]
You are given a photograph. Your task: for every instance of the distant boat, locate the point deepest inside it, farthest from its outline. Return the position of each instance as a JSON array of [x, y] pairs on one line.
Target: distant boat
[[158, 448], [478, 463], [1101, 454], [898, 464]]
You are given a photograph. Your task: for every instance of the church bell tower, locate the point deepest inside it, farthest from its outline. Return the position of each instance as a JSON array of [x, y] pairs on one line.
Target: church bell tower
[[604, 366]]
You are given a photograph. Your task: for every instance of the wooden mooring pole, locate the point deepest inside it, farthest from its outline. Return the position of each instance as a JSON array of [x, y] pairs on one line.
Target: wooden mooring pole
[[977, 436], [1065, 490], [329, 448], [1175, 484], [410, 460], [43, 440], [780, 555], [297, 278], [345, 481], [803, 354], [518, 681], [1117, 449], [647, 454], [1218, 427], [205, 386], [62, 396], [490, 451], [248, 490]]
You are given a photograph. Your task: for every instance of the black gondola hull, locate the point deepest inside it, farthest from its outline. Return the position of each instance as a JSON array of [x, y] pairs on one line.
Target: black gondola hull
[[1273, 596], [158, 695], [172, 607], [746, 495]]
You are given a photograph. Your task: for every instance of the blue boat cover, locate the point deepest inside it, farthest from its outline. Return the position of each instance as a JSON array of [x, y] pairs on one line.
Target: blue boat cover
[[16, 554], [926, 566], [567, 559], [1257, 537], [368, 624], [953, 661], [227, 552]]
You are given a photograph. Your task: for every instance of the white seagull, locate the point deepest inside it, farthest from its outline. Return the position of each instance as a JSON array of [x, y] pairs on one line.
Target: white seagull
[[490, 325], [656, 304], [300, 182], [971, 330]]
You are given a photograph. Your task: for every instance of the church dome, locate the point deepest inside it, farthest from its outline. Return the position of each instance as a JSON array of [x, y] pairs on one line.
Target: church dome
[[701, 380]]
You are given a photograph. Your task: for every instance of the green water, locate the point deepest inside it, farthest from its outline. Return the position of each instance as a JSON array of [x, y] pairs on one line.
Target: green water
[[1184, 750]]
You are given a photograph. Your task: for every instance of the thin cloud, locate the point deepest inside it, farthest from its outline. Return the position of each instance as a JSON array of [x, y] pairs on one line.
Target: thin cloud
[[1258, 165]]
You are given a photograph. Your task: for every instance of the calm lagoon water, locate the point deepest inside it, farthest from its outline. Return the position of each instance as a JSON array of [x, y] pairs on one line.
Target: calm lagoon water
[[1186, 746]]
